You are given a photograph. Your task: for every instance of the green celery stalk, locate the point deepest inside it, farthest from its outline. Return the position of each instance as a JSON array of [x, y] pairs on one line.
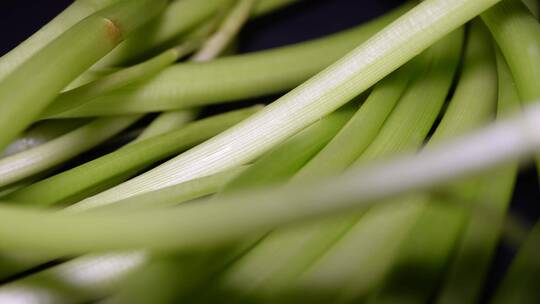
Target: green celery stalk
[[230, 27]]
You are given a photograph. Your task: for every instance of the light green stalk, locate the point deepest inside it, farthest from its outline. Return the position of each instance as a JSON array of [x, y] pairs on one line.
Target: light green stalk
[[41, 133], [517, 33], [25, 164], [405, 129], [167, 122], [440, 223], [348, 144], [118, 80], [211, 223], [69, 17], [230, 27], [325, 92], [22, 103], [470, 265], [178, 19], [135, 156], [275, 167], [232, 78]]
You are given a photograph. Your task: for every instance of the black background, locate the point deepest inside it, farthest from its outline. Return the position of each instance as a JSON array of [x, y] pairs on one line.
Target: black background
[[310, 19]]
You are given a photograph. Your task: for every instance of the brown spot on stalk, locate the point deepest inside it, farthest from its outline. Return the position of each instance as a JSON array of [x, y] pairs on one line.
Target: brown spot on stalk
[[114, 33]]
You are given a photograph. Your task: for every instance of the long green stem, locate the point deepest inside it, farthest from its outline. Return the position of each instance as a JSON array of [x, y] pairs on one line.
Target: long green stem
[[41, 133], [405, 129], [102, 31], [122, 78], [54, 152], [229, 29], [232, 78], [517, 33], [69, 17], [131, 157], [469, 268], [275, 167], [178, 19], [231, 218], [325, 92]]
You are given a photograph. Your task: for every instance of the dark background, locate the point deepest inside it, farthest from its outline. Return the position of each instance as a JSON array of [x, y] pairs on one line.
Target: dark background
[[311, 19]]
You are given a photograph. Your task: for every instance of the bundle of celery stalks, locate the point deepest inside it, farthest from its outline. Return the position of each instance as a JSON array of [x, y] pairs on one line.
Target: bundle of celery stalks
[[382, 175]]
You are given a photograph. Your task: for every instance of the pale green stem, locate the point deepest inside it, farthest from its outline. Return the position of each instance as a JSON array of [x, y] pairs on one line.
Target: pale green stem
[[324, 93], [27, 163], [232, 78], [474, 254], [227, 31], [118, 80], [166, 122], [20, 107], [69, 17], [211, 223], [405, 129], [41, 133], [132, 157]]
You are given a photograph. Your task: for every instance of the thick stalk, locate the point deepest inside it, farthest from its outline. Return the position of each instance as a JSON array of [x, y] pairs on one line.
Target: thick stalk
[[102, 31], [405, 129], [235, 217], [232, 78], [57, 188], [469, 267], [324, 93]]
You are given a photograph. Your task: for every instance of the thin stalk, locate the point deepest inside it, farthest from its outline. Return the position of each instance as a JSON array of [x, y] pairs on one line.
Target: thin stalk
[[242, 214], [131, 157], [65, 20], [101, 34], [177, 194], [118, 80], [517, 33], [232, 78], [227, 30], [356, 72], [177, 20], [41, 133], [167, 122], [405, 129], [275, 167], [469, 267], [25, 164], [441, 222]]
